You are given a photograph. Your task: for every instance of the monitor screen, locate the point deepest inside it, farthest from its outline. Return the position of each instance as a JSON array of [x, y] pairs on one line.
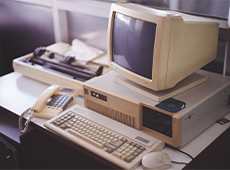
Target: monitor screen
[[133, 44], [157, 49]]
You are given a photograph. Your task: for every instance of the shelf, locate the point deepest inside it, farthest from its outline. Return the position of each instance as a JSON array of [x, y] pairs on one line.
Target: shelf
[[9, 128], [88, 7]]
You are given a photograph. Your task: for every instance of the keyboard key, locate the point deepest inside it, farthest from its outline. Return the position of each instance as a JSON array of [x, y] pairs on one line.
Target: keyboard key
[[135, 154], [117, 143], [138, 151], [98, 145], [68, 125], [109, 150], [108, 145], [63, 126], [74, 119], [142, 148], [117, 154], [123, 139], [129, 158], [123, 157]]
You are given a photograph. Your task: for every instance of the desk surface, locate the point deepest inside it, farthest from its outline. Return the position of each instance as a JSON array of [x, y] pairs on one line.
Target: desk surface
[[17, 93]]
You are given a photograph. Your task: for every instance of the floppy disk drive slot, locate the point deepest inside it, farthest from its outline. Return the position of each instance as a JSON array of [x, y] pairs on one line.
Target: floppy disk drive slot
[[157, 121]]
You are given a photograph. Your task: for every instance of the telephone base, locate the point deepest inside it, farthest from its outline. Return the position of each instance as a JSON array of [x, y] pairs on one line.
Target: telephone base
[[48, 112]]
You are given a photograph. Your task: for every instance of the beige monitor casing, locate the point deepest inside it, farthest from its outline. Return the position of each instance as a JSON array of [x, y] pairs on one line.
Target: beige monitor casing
[[183, 45]]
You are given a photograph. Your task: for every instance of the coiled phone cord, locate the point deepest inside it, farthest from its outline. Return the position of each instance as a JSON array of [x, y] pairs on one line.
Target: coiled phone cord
[[29, 111]]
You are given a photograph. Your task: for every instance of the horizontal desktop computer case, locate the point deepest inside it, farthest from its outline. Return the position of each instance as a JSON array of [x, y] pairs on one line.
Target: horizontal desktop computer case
[[205, 104]]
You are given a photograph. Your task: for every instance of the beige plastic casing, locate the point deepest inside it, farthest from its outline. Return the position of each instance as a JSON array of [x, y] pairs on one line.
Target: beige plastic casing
[[45, 111], [183, 44], [128, 110], [43, 75]]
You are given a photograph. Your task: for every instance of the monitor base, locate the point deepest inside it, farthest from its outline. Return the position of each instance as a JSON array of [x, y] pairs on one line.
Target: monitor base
[[188, 83]]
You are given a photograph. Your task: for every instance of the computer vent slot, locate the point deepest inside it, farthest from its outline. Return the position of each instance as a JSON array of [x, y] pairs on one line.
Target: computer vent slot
[[114, 114]]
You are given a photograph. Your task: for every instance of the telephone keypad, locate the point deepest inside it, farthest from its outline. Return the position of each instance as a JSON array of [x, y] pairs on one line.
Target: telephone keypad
[[61, 101]]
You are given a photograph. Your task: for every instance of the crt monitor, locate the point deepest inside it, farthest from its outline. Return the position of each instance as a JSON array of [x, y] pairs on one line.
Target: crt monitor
[[156, 48]]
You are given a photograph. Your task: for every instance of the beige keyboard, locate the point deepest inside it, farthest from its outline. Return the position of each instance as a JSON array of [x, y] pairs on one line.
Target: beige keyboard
[[116, 142]]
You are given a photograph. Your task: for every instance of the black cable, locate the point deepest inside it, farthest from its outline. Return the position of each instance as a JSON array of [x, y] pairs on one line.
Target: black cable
[[175, 162], [185, 154]]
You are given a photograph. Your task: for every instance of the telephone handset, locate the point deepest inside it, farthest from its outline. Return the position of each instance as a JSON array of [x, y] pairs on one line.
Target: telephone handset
[[40, 103], [51, 102]]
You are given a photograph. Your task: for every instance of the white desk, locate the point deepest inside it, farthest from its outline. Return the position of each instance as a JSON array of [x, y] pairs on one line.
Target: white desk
[[17, 93]]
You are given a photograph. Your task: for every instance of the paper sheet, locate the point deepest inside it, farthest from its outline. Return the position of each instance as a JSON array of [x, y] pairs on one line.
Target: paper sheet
[[83, 52]]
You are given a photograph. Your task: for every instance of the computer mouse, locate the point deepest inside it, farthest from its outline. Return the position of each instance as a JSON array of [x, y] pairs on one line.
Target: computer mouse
[[156, 160]]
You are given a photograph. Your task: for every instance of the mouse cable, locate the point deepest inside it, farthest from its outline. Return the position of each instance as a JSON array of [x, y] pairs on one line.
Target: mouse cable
[[195, 163], [175, 162]]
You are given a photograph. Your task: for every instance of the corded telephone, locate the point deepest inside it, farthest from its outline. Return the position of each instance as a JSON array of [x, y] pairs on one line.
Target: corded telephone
[[51, 102]]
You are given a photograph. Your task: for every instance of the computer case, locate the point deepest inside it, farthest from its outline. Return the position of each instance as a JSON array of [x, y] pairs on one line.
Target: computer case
[[204, 104]]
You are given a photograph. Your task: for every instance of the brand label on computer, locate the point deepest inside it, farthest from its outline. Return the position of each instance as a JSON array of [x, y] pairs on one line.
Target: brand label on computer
[[142, 139]]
